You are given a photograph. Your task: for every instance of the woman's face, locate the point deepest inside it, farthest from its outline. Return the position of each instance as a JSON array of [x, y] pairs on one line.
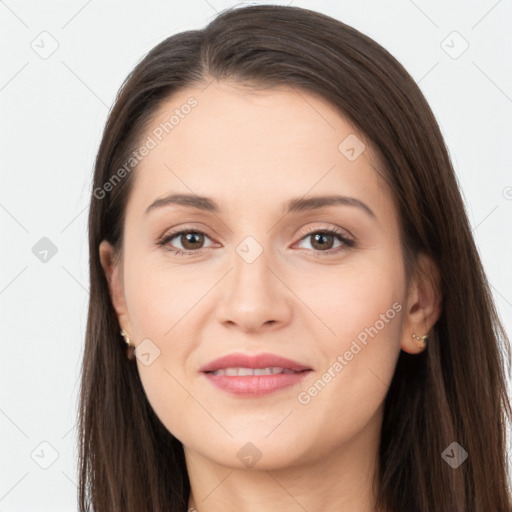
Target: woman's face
[[260, 275]]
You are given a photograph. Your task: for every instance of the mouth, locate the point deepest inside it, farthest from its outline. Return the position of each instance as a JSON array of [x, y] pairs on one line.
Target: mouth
[[254, 375]]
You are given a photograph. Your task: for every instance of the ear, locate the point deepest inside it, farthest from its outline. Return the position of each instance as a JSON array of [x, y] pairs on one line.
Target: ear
[[423, 306], [113, 268]]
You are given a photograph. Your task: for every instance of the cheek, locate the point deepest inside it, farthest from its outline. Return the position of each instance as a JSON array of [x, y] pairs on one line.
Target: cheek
[[362, 308], [163, 303], [356, 301], [159, 296]]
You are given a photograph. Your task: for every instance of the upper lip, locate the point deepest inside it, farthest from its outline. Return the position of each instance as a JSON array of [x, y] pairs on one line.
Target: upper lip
[[239, 360]]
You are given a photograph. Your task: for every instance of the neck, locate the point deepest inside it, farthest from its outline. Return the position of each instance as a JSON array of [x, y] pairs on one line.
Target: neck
[[342, 480]]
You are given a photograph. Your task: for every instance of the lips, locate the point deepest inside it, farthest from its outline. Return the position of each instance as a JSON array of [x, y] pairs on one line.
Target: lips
[[254, 376], [259, 361]]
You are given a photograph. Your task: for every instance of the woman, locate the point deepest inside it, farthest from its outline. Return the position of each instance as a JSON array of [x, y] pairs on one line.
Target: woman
[[278, 241]]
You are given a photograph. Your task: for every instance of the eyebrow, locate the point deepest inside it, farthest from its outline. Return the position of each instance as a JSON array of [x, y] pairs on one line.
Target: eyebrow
[[292, 206]]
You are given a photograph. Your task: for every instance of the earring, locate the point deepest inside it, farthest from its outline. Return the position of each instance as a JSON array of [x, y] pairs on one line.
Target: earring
[[130, 351], [420, 340]]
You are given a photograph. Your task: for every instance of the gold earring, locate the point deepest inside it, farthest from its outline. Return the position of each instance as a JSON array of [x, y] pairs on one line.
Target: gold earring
[[420, 340], [125, 336], [130, 352]]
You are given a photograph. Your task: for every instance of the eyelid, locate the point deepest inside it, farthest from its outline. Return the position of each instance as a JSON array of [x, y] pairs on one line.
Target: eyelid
[[174, 230], [343, 233], [302, 234]]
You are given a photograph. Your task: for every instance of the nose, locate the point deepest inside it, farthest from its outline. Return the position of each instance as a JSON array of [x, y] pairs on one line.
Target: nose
[[254, 297]]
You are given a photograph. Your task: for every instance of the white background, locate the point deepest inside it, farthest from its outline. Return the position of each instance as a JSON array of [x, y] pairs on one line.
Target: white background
[[52, 113]]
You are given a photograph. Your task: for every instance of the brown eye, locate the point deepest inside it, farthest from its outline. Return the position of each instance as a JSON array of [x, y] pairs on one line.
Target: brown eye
[[327, 241], [322, 241], [185, 241], [191, 240]]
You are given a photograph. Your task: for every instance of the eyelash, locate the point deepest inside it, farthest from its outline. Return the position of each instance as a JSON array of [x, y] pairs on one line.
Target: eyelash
[[347, 243]]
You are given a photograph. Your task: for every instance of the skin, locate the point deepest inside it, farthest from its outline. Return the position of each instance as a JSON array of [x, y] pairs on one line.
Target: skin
[[251, 152]]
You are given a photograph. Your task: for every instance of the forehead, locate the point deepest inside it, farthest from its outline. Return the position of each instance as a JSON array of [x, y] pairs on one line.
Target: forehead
[[228, 141]]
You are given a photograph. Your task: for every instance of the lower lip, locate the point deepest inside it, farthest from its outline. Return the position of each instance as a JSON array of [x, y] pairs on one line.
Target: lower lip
[[255, 385]]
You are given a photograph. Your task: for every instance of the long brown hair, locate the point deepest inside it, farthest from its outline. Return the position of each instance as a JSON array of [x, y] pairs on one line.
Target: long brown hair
[[453, 392]]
